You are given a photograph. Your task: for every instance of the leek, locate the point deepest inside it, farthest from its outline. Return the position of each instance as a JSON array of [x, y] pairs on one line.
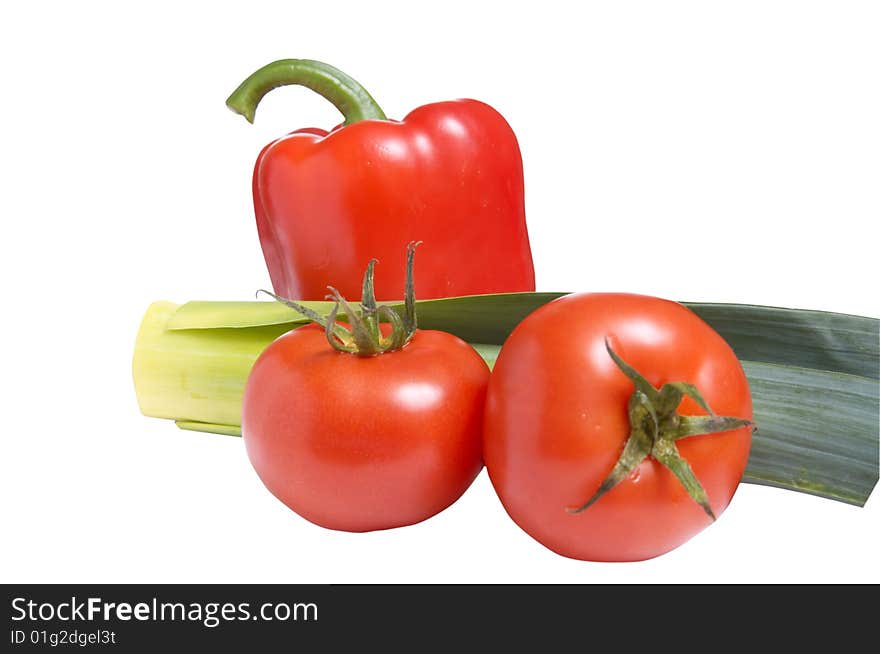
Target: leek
[[814, 375]]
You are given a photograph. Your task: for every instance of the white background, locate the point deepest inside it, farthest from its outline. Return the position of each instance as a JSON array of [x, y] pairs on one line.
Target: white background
[[731, 149]]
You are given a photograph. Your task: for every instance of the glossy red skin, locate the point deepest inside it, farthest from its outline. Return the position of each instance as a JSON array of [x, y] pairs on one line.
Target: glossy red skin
[[365, 443], [556, 422], [449, 174]]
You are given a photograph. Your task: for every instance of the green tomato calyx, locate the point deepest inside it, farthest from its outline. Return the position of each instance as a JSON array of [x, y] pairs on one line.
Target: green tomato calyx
[[363, 336], [655, 426]]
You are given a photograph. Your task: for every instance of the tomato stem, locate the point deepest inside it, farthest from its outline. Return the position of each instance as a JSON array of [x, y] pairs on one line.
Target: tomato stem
[[410, 320], [368, 301], [655, 426], [364, 337]]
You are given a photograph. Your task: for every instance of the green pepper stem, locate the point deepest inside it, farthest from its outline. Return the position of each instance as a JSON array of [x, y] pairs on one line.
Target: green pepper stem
[[345, 93]]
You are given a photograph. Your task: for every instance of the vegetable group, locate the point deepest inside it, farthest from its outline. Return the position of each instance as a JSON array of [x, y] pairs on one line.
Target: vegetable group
[[595, 466], [615, 427], [449, 174], [384, 433]]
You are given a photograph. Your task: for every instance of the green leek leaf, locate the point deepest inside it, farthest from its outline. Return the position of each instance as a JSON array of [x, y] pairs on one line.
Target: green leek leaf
[[795, 337]]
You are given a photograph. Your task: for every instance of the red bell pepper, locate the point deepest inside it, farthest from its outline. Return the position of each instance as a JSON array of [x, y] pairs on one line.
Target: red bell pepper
[[449, 174]]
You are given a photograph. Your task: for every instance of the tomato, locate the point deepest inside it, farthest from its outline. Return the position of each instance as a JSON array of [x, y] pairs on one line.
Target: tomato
[[359, 443], [557, 420]]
